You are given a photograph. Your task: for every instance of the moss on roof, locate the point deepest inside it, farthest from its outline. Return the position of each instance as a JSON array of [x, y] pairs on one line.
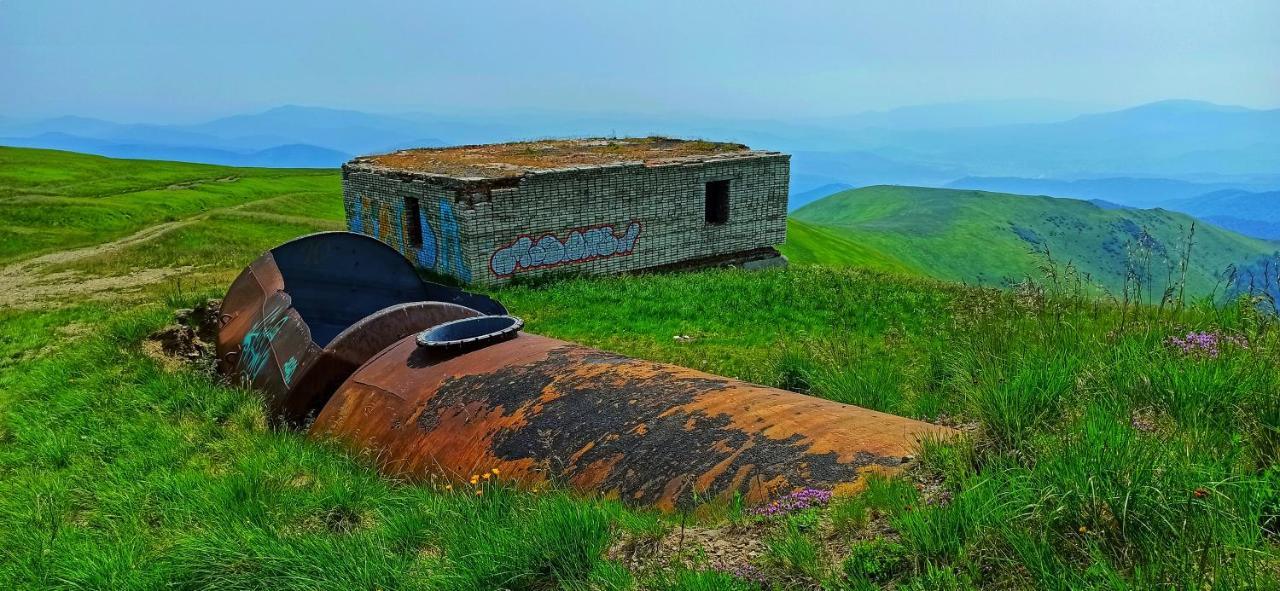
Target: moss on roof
[[494, 161]]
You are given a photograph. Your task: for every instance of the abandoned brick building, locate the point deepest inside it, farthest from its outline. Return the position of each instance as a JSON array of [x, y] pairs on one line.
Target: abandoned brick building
[[485, 214]]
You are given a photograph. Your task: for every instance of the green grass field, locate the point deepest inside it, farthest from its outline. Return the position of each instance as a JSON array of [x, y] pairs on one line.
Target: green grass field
[[1097, 455], [996, 239], [53, 201]]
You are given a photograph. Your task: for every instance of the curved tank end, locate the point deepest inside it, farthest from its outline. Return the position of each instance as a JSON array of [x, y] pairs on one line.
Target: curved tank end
[[305, 314]]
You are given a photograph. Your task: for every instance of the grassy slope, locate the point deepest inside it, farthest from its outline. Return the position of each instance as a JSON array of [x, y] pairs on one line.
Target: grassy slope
[[824, 245], [52, 200], [1100, 456], [989, 238]]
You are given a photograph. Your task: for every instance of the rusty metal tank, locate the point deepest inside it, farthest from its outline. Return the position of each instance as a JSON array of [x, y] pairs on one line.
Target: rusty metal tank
[[432, 380], [299, 319], [544, 410]]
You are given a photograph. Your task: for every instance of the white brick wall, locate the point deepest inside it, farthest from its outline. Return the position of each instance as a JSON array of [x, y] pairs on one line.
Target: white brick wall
[[665, 203]]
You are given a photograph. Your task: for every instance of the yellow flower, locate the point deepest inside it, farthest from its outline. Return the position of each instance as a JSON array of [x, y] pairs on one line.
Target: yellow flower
[[479, 492], [487, 475], [495, 471], [1083, 529], [448, 487]]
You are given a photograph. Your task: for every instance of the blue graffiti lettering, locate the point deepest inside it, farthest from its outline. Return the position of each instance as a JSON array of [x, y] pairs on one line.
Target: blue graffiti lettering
[[552, 249], [355, 217], [441, 248], [579, 246], [449, 257], [426, 255]]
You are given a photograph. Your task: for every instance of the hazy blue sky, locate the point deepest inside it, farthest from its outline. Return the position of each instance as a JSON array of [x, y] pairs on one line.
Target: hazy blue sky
[[162, 60]]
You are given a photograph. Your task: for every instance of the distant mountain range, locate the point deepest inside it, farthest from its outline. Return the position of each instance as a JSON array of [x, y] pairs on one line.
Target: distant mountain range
[[1032, 139], [996, 238], [1249, 213], [1161, 154], [961, 114], [804, 198], [282, 156], [283, 137], [1169, 139], [1144, 156], [1129, 191]]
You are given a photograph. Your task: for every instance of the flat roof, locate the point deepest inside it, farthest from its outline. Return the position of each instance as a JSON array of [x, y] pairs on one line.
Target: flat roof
[[497, 161]]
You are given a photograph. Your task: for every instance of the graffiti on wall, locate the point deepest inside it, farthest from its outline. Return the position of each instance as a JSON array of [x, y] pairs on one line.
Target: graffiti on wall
[[449, 258], [441, 248], [527, 253]]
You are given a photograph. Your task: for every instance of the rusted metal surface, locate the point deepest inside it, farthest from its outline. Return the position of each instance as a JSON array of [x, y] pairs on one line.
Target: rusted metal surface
[[647, 433], [428, 379], [301, 317], [263, 342]]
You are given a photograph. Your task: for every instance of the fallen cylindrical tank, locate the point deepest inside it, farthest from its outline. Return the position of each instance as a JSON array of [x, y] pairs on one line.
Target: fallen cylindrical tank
[[540, 409], [446, 389]]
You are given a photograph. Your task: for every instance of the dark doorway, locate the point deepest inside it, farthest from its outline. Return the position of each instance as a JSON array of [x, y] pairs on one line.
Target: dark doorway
[[413, 221], [717, 209]]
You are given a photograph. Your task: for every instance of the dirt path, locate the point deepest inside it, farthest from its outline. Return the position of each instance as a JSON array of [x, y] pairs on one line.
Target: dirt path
[[58, 191], [30, 284], [283, 218]]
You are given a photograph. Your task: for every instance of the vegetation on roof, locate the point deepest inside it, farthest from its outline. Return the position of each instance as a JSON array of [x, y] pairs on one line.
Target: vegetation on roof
[[514, 159]]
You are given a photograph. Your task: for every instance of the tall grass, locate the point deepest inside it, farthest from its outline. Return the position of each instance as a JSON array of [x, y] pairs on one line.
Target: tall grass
[[1096, 454]]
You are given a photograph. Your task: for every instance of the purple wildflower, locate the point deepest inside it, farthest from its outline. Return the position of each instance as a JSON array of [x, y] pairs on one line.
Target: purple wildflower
[[1205, 344], [795, 501]]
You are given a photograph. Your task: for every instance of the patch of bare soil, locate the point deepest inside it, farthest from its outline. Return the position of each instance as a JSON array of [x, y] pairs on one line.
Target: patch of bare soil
[[189, 341], [740, 547], [74, 330], [284, 218], [197, 183], [47, 291], [731, 547], [28, 284]]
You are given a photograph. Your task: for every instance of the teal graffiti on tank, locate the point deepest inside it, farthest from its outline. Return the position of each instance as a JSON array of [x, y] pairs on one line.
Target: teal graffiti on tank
[[255, 348], [288, 370]]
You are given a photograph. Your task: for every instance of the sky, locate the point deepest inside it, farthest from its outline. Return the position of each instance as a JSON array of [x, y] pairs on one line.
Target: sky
[[181, 60]]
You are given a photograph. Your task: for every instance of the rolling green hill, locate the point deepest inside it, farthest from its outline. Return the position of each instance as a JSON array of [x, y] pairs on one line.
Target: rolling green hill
[[52, 200], [997, 238]]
